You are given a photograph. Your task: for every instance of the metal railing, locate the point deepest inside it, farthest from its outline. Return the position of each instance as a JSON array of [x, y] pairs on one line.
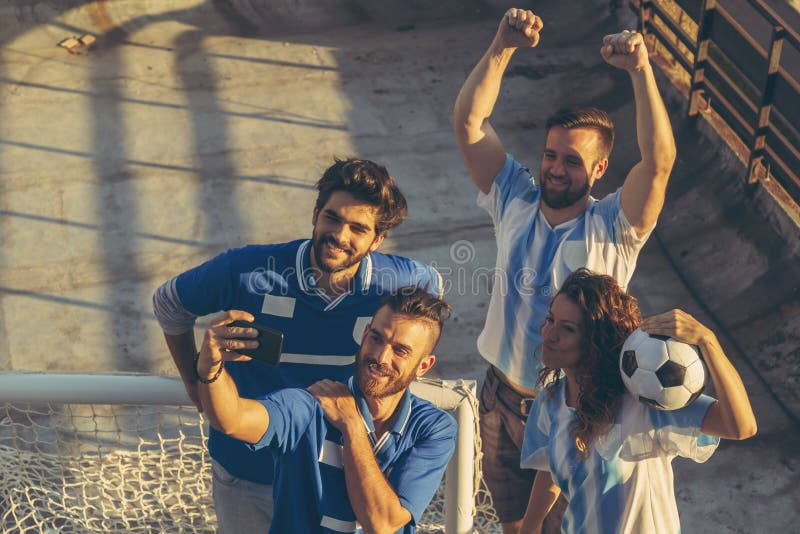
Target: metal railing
[[740, 60]]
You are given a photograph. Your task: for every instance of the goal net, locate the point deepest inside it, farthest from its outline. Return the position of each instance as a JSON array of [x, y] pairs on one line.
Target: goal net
[[125, 453]]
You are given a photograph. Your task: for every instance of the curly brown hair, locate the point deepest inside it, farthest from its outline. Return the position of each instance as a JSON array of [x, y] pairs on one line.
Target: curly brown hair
[[368, 182], [609, 316]]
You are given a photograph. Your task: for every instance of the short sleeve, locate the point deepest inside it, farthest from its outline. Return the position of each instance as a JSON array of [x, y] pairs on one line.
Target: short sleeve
[[513, 181], [430, 279], [535, 454], [416, 475], [618, 227], [291, 412], [209, 287], [678, 433]]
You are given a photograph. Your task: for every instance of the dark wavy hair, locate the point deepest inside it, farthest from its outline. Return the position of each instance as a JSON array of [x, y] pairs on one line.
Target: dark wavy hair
[[609, 316], [368, 182]]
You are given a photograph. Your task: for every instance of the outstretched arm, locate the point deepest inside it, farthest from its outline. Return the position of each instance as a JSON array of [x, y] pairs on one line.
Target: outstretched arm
[[731, 417], [243, 419], [543, 496], [646, 184], [374, 501], [480, 146]]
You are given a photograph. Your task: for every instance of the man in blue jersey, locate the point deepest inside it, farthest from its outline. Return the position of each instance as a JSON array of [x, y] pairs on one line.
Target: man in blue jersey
[[320, 293], [365, 454], [546, 229]]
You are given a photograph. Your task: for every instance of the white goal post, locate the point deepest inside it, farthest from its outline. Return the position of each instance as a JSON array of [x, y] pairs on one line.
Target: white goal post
[[70, 442]]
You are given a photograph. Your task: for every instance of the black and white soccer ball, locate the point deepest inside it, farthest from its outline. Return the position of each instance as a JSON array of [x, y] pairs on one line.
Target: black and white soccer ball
[[661, 371]]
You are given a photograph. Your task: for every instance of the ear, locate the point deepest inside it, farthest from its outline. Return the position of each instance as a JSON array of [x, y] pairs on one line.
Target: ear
[[314, 217], [376, 242], [600, 169], [425, 364]]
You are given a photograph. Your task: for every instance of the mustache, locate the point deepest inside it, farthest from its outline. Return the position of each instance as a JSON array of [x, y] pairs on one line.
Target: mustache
[[379, 368], [330, 240], [551, 176]]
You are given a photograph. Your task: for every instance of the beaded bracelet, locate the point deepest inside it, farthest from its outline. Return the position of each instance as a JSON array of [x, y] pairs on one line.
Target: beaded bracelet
[[209, 380]]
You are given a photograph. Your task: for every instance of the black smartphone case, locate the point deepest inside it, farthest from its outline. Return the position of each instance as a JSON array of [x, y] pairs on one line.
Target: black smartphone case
[[270, 343]]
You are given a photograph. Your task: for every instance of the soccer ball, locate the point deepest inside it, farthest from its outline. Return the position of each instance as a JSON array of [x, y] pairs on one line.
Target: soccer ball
[[660, 371]]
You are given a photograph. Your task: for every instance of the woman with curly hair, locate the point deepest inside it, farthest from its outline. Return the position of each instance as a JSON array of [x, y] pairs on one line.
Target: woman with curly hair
[[607, 453]]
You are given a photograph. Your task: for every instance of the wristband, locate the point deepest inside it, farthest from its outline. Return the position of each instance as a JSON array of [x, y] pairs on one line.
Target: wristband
[[200, 378]]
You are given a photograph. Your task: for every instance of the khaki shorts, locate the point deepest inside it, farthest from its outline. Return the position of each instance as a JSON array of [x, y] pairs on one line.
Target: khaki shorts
[[503, 413]]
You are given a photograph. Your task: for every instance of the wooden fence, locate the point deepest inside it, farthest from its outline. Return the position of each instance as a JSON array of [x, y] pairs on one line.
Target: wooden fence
[[739, 59]]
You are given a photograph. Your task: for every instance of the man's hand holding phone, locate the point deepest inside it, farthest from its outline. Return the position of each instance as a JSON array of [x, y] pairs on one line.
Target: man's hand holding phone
[[235, 337]]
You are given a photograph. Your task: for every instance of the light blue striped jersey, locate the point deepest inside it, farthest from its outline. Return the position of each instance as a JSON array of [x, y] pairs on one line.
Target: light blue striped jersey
[[309, 488], [625, 484], [321, 336], [533, 260]]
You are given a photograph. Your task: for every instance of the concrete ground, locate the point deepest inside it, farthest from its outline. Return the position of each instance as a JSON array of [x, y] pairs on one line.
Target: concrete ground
[[196, 126]]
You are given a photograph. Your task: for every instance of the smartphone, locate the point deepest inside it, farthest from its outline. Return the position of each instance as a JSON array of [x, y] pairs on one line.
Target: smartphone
[[270, 343]]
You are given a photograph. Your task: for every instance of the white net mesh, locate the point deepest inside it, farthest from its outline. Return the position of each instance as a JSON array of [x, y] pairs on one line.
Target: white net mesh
[[103, 468], [83, 468]]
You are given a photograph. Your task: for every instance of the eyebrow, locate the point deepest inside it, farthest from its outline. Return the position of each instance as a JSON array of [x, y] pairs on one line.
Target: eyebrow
[[550, 314], [402, 346], [396, 345], [329, 212], [567, 155]]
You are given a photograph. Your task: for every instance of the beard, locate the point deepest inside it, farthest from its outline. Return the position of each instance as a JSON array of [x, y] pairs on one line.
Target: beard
[[351, 256], [562, 199], [377, 388]]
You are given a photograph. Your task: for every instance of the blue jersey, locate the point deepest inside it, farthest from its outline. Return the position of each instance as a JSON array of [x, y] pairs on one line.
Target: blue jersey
[[310, 490], [275, 283], [625, 484]]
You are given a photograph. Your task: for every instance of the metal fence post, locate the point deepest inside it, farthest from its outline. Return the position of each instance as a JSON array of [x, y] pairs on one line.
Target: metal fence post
[[697, 99], [757, 168]]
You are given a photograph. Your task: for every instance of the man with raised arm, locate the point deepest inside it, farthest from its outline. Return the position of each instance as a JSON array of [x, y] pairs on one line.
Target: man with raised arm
[[548, 227], [362, 455], [318, 292]]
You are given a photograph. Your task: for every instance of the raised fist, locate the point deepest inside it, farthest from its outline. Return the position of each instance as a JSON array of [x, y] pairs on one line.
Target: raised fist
[[625, 50], [519, 29]]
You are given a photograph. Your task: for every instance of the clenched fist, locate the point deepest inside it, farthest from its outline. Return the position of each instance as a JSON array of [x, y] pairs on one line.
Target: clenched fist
[[519, 29], [625, 50]]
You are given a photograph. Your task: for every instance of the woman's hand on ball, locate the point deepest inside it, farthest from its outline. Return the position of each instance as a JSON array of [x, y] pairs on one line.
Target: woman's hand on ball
[[679, 325]]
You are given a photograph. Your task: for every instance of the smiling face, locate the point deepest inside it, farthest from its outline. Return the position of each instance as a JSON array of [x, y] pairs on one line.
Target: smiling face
[[562, 334], [395, 349], [570, 165], [344, 232]]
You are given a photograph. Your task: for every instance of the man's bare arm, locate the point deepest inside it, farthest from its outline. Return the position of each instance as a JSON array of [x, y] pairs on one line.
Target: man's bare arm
[[480, 146], [646, 184], [374, 501], [243, 419]]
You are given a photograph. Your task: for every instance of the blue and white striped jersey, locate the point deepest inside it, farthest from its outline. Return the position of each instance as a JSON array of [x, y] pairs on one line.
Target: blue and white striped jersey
[[276, 284], [625, 484], [533, 260], [309, 488]]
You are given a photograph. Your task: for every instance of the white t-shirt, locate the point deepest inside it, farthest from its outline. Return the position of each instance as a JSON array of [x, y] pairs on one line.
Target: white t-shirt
[[533, 260], [625, 485]]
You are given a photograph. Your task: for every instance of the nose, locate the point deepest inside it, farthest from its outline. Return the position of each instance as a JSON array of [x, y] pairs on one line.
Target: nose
[[557, 167], [341, 235], [384, 357], [549, 333]]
